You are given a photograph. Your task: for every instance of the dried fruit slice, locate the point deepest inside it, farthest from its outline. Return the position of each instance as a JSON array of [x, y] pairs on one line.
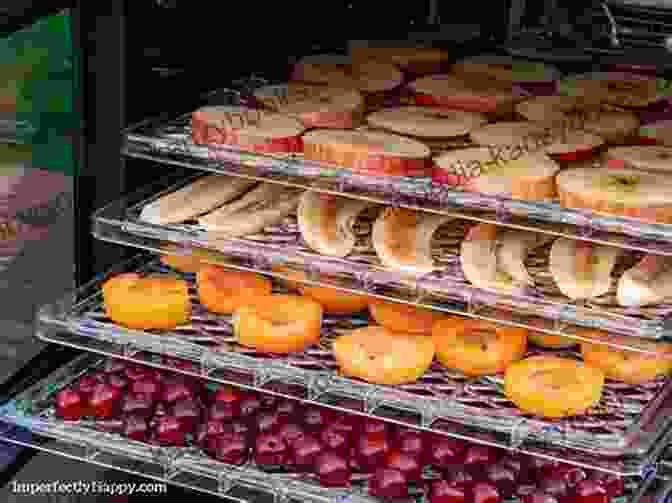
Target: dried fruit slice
[[507, 69], [572, 146], [624, 192], [646, 158], [335, 70], [266, 205], [647, 283], [315, 106], [613, 126], [278, 323], [403, 317], [368, 152], [551, 341], [657, 133], [629, 366], [469, 94], [376, 355], [327, 222], [146, 303], [426, 123], [551, 109], [195, 199], [582, 270], [477, 347], [223, 291], [495, 260], [182, 263], [618, 89], [402, 239], [553, 387], [412, 60], [247, 128]]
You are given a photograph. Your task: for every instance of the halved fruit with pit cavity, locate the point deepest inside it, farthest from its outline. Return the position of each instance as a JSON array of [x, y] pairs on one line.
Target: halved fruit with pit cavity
[[279, 323], [377, 355], [146, 303], [554, 387], [403, 317], [477, 347], [551, 341], [246, 128], [653, 359], [223, 291]]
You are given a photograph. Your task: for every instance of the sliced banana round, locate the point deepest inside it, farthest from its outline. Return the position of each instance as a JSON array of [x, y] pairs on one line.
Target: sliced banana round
[[582, 270], [327, 222], [647, 283], [402, 239], [494, 259]]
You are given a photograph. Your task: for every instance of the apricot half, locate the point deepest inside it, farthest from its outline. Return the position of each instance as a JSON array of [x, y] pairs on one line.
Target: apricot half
[[477, 347], [278, 323], [403, 317], [379, 356], [146, 303], [554, 387], [551, 341], [182, 263], [628, 366], [223, 291]]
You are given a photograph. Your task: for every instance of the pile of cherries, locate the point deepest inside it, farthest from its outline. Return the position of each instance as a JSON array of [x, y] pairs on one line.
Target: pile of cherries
[[236, 427]]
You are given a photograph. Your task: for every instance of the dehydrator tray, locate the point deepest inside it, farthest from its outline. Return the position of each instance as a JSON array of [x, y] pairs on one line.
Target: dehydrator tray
[[626, 424], [541, 306], [168, 141], [34, 410]]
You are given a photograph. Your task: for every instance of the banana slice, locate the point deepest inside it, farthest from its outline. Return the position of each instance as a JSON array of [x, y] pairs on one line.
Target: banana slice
[[648, 283], [402, 239], [495, 260], [197, 198], [582, 270], [266, 205], [327, 222]]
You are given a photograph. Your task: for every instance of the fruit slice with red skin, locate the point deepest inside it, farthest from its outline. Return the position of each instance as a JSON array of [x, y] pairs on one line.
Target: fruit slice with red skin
[[246, 128], [188, 412], [268, 422], [138, 404], [411, 60], [482, 492], [250, 405], [168, 431], [208, 429], [539, 497], [335, 440], [223, 291], [442, 491], [289, 409], [70, 404], [388, 483], [614, 484], [409, 465], [113, 425], [426, 122], [315, 418], [305, 451], [371, 449], [176, 390], [411, 442], [589, 491], [230, 448], [119, 381], [333, 470], [291, 433], [444, 452], [368, 152], [503, 478], [270, 450], [104, 401], [147, 386], [137, 372]]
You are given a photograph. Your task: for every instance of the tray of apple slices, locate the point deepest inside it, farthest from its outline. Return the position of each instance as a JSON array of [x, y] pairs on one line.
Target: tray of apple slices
[[613, 419], [552, 284], [170, 141], [223, 440]]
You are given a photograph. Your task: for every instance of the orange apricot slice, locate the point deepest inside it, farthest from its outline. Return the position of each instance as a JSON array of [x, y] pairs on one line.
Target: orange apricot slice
[[147, 303], [477, 347], [182, 263], [551, 341], [380, 356], [278, 323], [553, 387], [628, 366], [223, 291], [403, 317]]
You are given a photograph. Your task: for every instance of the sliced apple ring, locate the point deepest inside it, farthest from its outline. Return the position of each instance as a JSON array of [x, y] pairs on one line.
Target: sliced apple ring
[[402, 239], [151, 302], [649, 282], [425, 122], [278, 323], [646, 158], [404, 317], [628, 366], [223, 291], [553, 387], [476, 347], [379, 356], [551, 341]]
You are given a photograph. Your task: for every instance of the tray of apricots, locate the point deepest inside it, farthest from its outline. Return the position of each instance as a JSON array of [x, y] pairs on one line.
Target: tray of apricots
[[586, 394]]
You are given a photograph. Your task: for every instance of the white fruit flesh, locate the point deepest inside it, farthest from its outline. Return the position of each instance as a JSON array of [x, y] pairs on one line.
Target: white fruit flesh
[[644, 158], [647, 283], [567, 142], [453, 86], [425, 122], [327, 222], [373, 142], [578, 285], [195, 199], [298, 99], [402, 239], [250, 124]]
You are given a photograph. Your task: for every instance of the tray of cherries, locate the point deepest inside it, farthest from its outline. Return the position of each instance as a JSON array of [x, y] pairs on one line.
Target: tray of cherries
[[311, 444]]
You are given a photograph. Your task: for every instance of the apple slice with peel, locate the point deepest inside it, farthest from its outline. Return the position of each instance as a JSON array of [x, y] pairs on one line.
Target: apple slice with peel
[[315, 106], [327, 222], [411, 60], [368, 152], [646, 158], [647, 283], [623, 192], [426, 122], [247, 128], [582, 270], [657, 133], [402, 239]]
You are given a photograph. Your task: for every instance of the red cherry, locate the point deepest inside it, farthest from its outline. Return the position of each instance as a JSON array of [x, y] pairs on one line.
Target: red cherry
[[374, 426], [410, 441], [174, 390], [460, 478], [477, 456], [207, 430], [388, 483], [110, 425], [289, 409], [525, 489], [269, 401], [408, 464], [104, 401], [572, 474], [332, 469], [135, 372], [442, 491], [482, 492], [502, 477], [114, 366], [136, 428], [538, 497], [230, 448], [556, 486], [445, 452], [316, 418], [270, 450], [250, 405], [268, 422], [614, 484], [160, 410], [242, 428], [188, 412], [305, 451], [335, 440], [227, 394], [589, 491], [137, 404], [87, 383], [119, 381], [177, 363], [70, 404], [222, 411], [148, 386], [169, 431], [370, 449], [290, 432]]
